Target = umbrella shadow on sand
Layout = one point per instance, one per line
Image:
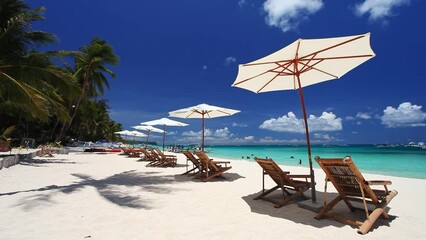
(127, 189)
(299, 215)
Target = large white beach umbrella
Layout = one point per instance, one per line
(148, 129)
(203, 111)
(164, 122)
(305, 62)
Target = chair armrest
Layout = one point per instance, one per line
(219, 162)
(377, 182)
(298, 176)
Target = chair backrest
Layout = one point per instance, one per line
(160, 153)
(205, 160)
(274, 171)
(147, 154)
(191, 157)
(346, 177)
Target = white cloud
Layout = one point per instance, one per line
(290, 123)
(365, 116)
(320, 137)
(211, 136)
(270, 140)
(191, 134)
(379, 9)
(239, 125)
(171, 133)
(204, 67)
(359, 115)
(287, 14)
(230, 60)
(222, 133)
(406, 115)
(241, 3)
(249, 138)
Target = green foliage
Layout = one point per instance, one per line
(41, 97)
(6, 133)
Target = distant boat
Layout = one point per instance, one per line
(107, 150)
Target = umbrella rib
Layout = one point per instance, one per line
(224, 112)
(341, 57)
(334, 46)
(268, 82)
(260, 74)
(319, 70)
(278, 74)
(263, 63)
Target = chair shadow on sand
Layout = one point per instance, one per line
(127, 189)
(229, 177)
(297, 214)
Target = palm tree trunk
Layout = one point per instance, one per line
(66, 126)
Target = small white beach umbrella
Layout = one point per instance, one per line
(134, 134)
(305, 62)
(203, 111)
(148, 129)
(164, 122)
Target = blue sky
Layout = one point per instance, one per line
(176, 54)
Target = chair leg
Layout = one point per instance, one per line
(291, 197)
(211, 175)
(327, 208)
(266, 193)
(189, 171)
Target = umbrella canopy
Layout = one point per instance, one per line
(134, 134)
(164, 122)
(203, 111)
(303, 63)
(148, 129)
(131, 133)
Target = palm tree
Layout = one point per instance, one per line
(90, 70)
(29, 81)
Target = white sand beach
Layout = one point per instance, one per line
(108, 196)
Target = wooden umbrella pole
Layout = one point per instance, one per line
(164, 135)
(308, 142)
(202, 126)
(147, 138)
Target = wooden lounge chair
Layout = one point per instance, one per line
(195, 162)
(352, 187)
(165, 160)
(212, 168)
(135, 153)
(154, 158)
(148, 155)
(284, 180)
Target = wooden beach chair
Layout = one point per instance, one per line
(195, 162)
(212, 168)
(153, 158)
(165, 160)
(352, 187)
(291, 188)
(135, 153)
(148, 156)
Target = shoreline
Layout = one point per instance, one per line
(108, 196)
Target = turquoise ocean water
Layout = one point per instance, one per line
(394, 161)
